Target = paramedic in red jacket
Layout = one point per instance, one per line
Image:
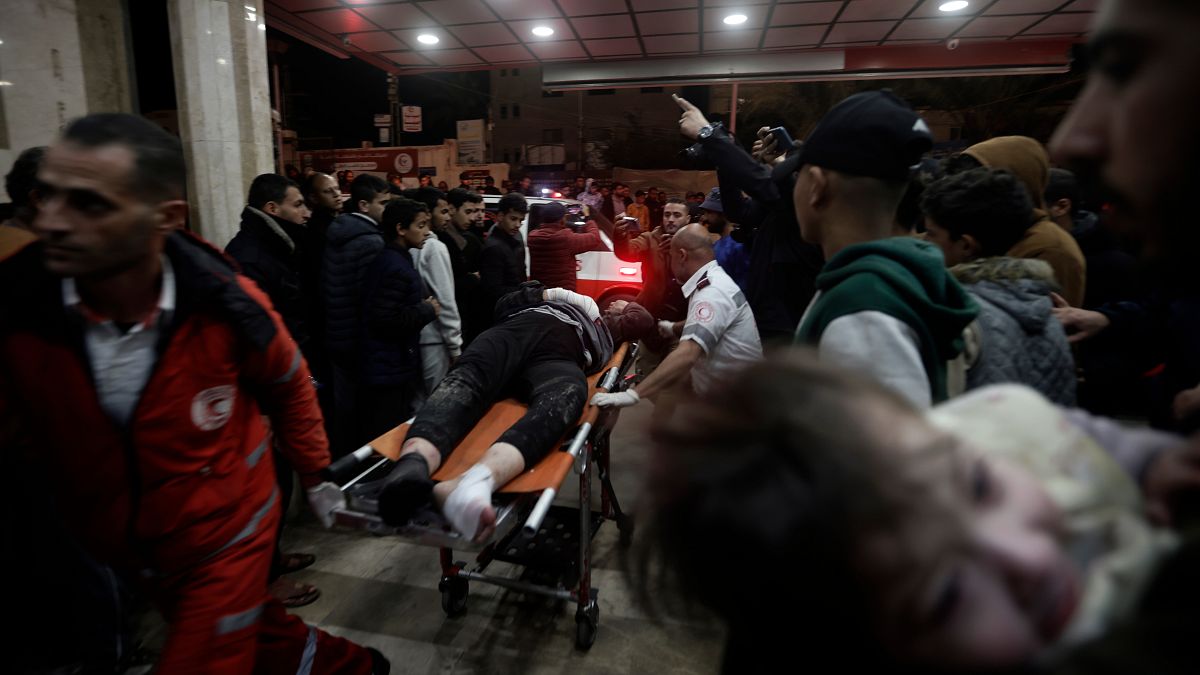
(137, 366)
(553, 245)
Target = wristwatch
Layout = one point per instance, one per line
(706, 131)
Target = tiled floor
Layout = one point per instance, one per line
(383, 593)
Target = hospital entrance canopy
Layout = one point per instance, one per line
(583, 44)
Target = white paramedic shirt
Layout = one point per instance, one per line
(122, 360)
(720, 321)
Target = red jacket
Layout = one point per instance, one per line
(552, 249)
(192, 473)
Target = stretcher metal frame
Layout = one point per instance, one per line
(522, 513)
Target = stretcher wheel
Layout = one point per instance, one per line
(587, 622)
(454, 595)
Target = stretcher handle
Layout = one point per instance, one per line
(348, 467)
(534, 522)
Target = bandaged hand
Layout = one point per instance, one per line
(323, 500)
(666, 329)
(583, 302)
(620, 399)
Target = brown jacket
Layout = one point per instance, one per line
(1026, 159)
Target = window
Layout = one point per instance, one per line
(516, 72)
(516, 110)
(551, 94)
(503, 72)
(506, 157)
(652, 90)
(503, 112)
(552, 135)
(601, 92)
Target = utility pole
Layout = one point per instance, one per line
(393, 92)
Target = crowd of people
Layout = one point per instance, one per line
(891, 377)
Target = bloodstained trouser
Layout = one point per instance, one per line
(533, 356)
(221, 619)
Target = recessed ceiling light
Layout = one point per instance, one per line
(543, 31)
(427, 39)
(953, 5)
(735, 19)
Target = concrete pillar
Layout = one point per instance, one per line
(220, 62)
(60, 59)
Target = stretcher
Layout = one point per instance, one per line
(553, 543)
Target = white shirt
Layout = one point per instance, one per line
(720, 321)
(123, 360)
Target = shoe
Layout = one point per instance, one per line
(292, 594)
(293, 562)
(406, 489)
(379, 663)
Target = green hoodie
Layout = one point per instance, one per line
(904, 278)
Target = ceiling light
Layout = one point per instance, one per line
(427, 39)
(5, 83)
(735, 19)
(953, 5)
(543, 31)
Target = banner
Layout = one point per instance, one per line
(471, 148)
(380, 161)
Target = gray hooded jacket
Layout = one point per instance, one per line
(1016, 337)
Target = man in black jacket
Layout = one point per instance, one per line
(502, 264)
(783, 268)
(465, 248)
(352, 242)
(270, 250)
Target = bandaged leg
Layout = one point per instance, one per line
(466, 501)
(464, 506)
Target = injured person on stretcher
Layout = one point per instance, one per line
(542, 347)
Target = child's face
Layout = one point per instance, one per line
(997, 594)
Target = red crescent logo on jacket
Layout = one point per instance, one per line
(212, 408)
(704, 312)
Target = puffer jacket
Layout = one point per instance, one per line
(1018, 339)
(352, 243)
(394, 312)
(552, 250)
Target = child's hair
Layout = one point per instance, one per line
(401, 212)
(762, 493)
(991, 205)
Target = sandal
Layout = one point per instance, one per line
(294, 562)
(292, 594)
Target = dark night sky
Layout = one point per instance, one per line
(331, 97)
(330, 102)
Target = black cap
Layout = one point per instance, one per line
(875, 134)
(553, 212)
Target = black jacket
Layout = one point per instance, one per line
(783, 267)
(351, 244)
(394, 312)
(467, 291)
(270, 252)
(501, 266)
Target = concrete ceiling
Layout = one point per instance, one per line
(600, 42)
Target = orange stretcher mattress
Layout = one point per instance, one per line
(548, 473)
